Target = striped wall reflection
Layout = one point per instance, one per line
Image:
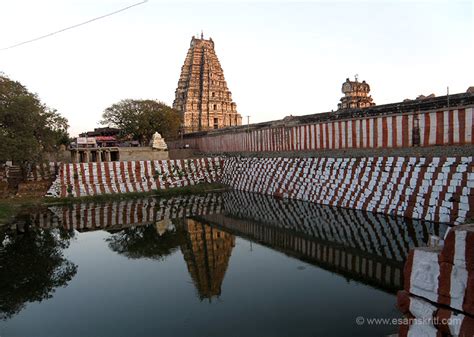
(127, 213)
(376, 234)
(352, 263)
(444, 127)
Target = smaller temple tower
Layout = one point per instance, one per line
(356, 95)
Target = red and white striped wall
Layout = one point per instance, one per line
(424, 318)
(444, 275)
(127, 213)
(436, 189)
(85, 179)
(444, 127)
(442, 279)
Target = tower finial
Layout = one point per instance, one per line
(202, 35)
(356, 77)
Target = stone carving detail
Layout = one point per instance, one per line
(158, 143)
(356, 95)
(202, 96)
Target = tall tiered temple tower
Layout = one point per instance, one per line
(202, 96)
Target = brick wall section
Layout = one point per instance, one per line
(40, 172)
(85, 179)
(442, 279)
(435, 189)
(443, 127)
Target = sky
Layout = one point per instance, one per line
(279, 58)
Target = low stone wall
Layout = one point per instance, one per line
(436, 189)
(39, 172)
(141, 153)
(439, 287)
(85, 179)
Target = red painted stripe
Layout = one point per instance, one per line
(394, 132)
(366, 136)
(83, 177)
(439, 127)
(384, 132)
(376, 133)
(340, 134)
(405, 131)
(326, 127)
(354, 133)
(451, 127)
(462, 126)
(122, 173)
(91, 178)
(426, 135)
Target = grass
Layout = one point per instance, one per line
(10, 207)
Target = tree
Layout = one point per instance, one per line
(28, 128)
(142, 118)
(32, 267)
(145, 242)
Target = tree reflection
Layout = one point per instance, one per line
(154, 241)
(32, 266)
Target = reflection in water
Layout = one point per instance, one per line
(151, 241)
(377, 234)
(128, 213)
(207, 252)
(32, 266)
(369, 248)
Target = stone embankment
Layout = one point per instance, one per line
(435, 189)
(432, 189)
(438, 295)
(89, 179)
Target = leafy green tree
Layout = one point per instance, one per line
(142, 118)
(28, 128)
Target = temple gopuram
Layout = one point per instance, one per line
(202, 96)
(356, 95)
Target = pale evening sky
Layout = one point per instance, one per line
(279, 58)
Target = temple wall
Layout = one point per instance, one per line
(435, 189)
(141, 153)
(86, 179)
(432, 189)
(443, 127)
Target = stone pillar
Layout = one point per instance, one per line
(99, 156)
(107, 156)
(86, 156)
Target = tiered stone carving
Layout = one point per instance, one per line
(202, 95)
(356, 95)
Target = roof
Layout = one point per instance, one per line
(105, 138)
